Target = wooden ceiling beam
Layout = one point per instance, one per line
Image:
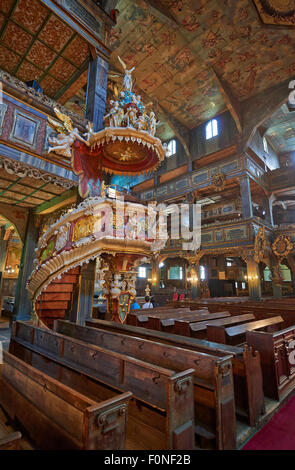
(231, 103)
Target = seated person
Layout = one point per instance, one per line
(148, 303)
(154, 302)
(135, 305)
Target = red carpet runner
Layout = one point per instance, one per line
(278, 433)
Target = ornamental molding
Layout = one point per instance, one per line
(22, 170)
(219, 181)
(260, 245)
(29, 92)
(66, 260)
(282, 247)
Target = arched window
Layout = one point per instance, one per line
(211, 129)
(171, 148)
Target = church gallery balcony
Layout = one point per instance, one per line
(25, 130)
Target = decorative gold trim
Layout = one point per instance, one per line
(259, 245)
(282, 246)
(219, 181)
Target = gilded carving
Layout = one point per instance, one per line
(282, 246)
(83, 228)
(219, 181)
(260, 244)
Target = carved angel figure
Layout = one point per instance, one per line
(115, 115)
(153, 123)
(128, 83)
(67, 134)
(131, 117)
(90, 131)
(141, 122)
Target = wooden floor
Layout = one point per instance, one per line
(7, 427)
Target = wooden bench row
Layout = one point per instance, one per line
(261, 310)
(57, 416)
(246, 367)
(247, 374)
(277, 352)
(213, 381)
(161, 412)
(237, 334)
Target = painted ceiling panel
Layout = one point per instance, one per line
(281, 129)
(176, 45)
(36, 45)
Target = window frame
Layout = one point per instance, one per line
(211, 129)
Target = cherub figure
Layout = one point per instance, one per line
(115, 115)
(128, 83)
(141, 122)
(153, 123)
(62, 143)
(90, 130)
(131, 117)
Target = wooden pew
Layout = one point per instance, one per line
(161, 416)
(166, 322)
(237, 334)
(139, 316)
(212, 418)
(200, 329)
(56, 416)
(275, 350)
(182, 326)
(249, 397)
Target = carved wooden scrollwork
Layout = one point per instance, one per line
(282, 246)
(260, 244)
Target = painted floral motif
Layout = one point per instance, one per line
(50, 85)
(28, 72)
(225, 35)
(62, 70)
(77, 51)
(16, 38)
(8, 60)
(41, 55)
(30, 14)
(55, 33)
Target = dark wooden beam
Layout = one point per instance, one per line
(232, 104)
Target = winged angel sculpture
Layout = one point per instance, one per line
(66, 135)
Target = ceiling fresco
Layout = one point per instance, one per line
(36, 45)
(176, 54)
(281, 130)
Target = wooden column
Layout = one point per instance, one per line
(155, 273)
(83, 296)
(253, 274)
(196, 281)
(22, 305)
(97, 92)
(246, 198)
